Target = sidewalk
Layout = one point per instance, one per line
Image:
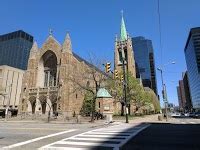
(147, 118)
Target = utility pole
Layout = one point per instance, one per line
(164, 93)
(125, 79)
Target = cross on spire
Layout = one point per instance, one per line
(50, 31)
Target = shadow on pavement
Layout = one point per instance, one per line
(165, 136)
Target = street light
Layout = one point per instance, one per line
(164, 91)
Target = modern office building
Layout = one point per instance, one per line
(188, 105)
(183, 93)
(15, 48)
(182, 98)
(192, 55)
(179, 97)
(144, 58)
(10, 88)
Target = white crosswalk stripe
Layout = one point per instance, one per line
(112, 137)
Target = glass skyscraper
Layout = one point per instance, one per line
(144, 58)
(192, 55)
(15, 48)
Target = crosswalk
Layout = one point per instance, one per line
(107, 138)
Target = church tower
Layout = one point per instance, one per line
(123, 46)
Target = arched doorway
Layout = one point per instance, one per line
(43, 101)
(53, 99)
(47, 70)
(32, 101)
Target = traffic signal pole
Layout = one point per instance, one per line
(124, 81)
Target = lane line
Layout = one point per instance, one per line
(37, 139)
(33, 129)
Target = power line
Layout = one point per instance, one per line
(160, 34)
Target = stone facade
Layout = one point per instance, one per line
(129, 56)
(46, 84)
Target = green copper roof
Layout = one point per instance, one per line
(123, 30)
(103, 93)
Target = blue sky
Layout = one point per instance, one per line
(93, 25)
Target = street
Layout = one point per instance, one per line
(177, 134)
(182, 135)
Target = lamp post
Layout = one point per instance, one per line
(164, 91)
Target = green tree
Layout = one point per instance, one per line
(135, 92)
(87, 104)
(137, 95)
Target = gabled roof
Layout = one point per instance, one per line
(87, 63)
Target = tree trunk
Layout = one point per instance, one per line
(122, 109)
(93, 109)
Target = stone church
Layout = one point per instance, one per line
(46, 84)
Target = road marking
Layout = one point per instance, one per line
(37, 139)
(33, 129)
(99, 137)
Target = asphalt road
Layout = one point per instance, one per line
(34, 135)
(181, 135)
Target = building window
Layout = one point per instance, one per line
(120, 56)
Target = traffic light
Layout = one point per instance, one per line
(116, 74)
(107, 67)
(122, 77)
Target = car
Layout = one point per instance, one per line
(186, 114)
(191, 114)
(176, 115)
(197, 115)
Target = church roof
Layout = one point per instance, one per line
(87, 63)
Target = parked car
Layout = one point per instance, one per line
(192, 114)
(176, 115)
(197, 115)
(186, 114)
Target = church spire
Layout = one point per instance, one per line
(123, 34)
(67, 45)
(33, 50)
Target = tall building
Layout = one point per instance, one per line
(15, 48)
(188, 105)
(10, 87)
(192, 55)
(183, 93)
(126, 43)
(182, 103)
(144, 58)
(179, 97)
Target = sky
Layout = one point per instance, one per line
(93, 25)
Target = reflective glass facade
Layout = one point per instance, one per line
(15, 48)
(144, 57)
(192, 55)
